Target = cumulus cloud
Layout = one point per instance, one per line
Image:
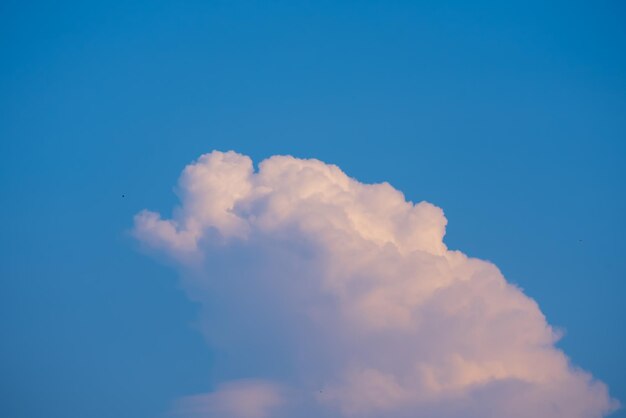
(340, 299)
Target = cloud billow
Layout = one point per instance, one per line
(325, 297)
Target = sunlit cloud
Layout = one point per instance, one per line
(340, 299)
(240, 399)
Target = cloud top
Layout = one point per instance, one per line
(345, 296)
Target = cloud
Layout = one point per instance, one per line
(345, 296)
(240, 399)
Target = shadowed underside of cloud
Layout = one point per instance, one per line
(326, 297)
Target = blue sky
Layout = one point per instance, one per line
(511, 117)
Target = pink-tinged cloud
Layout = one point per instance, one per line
(239, 399)
(346, 295)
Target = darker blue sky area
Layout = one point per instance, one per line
(511, 116)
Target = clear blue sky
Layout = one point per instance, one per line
(511, 116)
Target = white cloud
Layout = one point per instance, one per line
(346, 294)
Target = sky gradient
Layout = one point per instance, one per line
(511, 118)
